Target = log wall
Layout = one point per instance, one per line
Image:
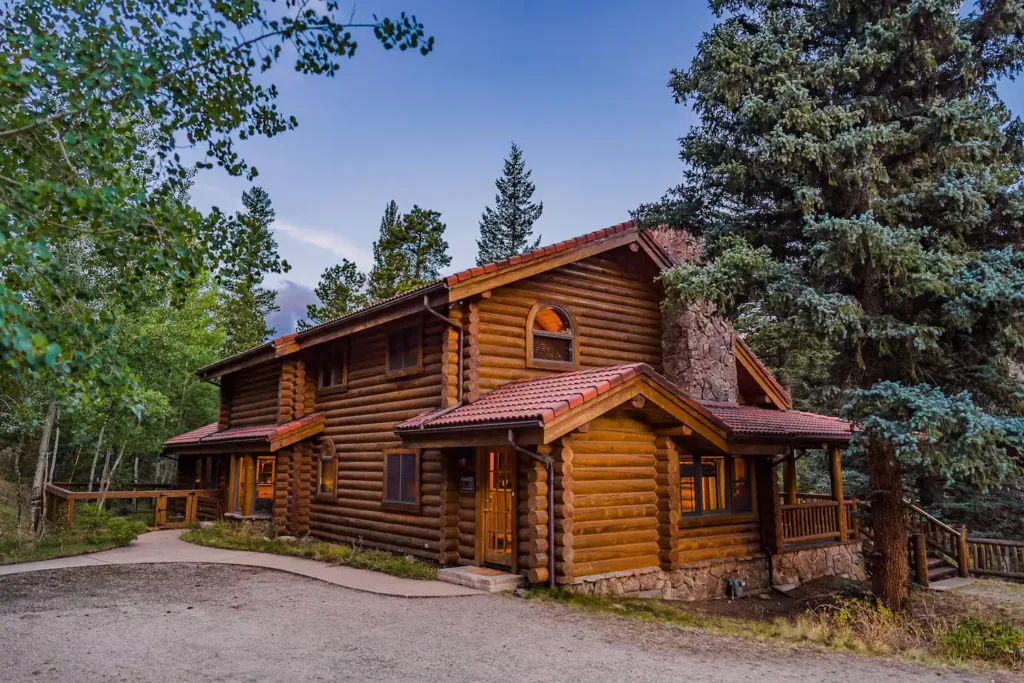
(255, 397)
(612, 514)
(361, 421)
(615, 306)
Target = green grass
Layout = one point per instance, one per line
(253, 537)
(93, 530)
(859, 626)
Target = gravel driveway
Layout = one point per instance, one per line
(223, 623)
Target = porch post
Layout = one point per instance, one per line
(836, 471)
(789, 477)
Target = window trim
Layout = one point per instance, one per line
(412, 370)
(398, 504)
(730, 483)
(544, 364)
(326, 356)
(328, 457)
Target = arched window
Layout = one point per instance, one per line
(551, 338)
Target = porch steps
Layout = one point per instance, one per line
(481, 578)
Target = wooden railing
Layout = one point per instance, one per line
(994, 557)
(185, 500)
(938, 535)
(815, 517)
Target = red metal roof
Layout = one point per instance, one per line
(259, 433)
(747, 421)
(489, 268)
(539, 400)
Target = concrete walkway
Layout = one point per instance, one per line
(163, 547)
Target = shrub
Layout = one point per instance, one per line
(990, 641)
(101, 526)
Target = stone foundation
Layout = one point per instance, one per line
(706, 580)
(846, 559)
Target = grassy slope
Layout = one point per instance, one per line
(966, 636)
(252, 537)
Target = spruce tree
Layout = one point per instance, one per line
(505, 230)
(341, 291)
(250, 255)
(409, 252)
(857, 180)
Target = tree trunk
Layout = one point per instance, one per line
(105, 475)
(889, 525)
(17, 487)
(38, 493)
(108, 472)
(95, 457)
(53, 461)
(135, 470)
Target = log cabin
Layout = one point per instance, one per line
(546, 416)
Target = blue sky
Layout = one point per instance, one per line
(580, 86)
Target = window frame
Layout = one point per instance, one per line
(404, 506)
(413, 369)
(327, 357)
(730, 484)
(574, 337)
(328, 457)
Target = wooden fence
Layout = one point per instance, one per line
(172, 502)
(995, 557)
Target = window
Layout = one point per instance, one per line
(401, 478)
(710, 484)
(333, 369)
(551, 342)
(328, 477)
(404, 351)
(327, 474)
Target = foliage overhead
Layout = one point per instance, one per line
(251, 253)
(341, 291)
(96, 97)
(505, 230)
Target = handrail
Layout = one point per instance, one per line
(937, 522)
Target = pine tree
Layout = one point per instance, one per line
(387, 263)
(251, 254)
(341, 291)
(505, 230)
(409, 252)
(858, 183)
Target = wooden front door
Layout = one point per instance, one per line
(498, 506)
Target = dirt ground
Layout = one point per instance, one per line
(221, 623)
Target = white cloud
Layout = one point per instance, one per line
(327, 240)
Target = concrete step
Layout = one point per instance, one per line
(941, 573)
(481, 578)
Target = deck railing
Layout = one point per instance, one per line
(815, 518)
(172, 508)
(995, 557)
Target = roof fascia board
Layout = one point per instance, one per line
(503, 276)
(767, 384)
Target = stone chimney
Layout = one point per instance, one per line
(697, 344)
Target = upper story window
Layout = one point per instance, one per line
(333, 368)
(551, 338)
(711, 484)
(405, 352)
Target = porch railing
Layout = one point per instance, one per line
(815, 518)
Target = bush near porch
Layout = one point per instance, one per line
(261, 538)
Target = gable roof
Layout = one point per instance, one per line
(265, 437)
(558, 403)
(452, 288)
(547, 403)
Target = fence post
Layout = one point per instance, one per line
(837, 492)
(69, 512)
(921, 559)
(963, 554)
